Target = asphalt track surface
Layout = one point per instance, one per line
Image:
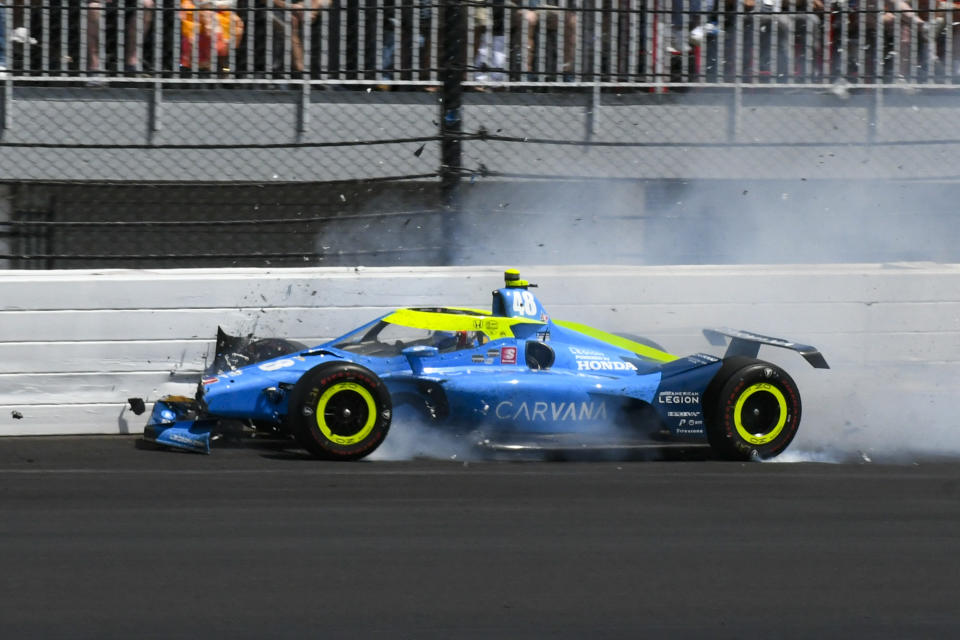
(101, 539)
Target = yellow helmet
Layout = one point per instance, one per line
(512, 279)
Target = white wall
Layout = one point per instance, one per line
(74, 345)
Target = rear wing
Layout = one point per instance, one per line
(744, 343)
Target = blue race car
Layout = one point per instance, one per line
(513, 374)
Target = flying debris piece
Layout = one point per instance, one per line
(137, 405)
(840, 89)
(419, 150)
(16, 415)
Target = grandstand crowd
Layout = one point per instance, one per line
(392, 42)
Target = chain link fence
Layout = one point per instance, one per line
(139, 133)
(163, 226)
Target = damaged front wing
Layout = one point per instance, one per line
(179, 422)
(176, 422)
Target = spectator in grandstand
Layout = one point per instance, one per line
(424, 41)
(97, 11)
(767, 19)
(808, 37)
(794, 25)
(687, 34)
(388, 24)
(730, 21)
(892, 42)
(489, 53)
(943, 24)
(212, 25)
(531, 16)
(25, 33)
(389, 39)
(899, 19)
(932, 33)
(302, 13)
(683, 15)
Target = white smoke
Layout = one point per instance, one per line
(890, 414)
(410, 439)
(866, 409)
(871, 408)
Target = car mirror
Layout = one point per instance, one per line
(415, 356)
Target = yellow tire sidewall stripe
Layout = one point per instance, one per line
(738, 413)
(333, 390)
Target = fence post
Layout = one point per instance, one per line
(6, 230)
(453, 35)
(874, 110)
(452, 67)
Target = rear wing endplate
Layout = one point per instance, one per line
(744, 343)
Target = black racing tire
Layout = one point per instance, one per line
(339, 411)
(752, 409)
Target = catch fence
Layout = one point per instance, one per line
(196, 133)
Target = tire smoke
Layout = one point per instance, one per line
(863, 270)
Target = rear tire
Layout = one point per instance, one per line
(340, 411)
(752, 409)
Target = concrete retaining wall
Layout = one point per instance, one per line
(75, 345)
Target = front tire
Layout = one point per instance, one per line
(340, 411)
(752, 408)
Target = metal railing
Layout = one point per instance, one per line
(387, 42)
